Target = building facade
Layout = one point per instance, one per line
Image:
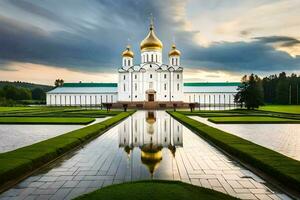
(149, 81)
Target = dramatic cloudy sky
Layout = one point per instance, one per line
(82, 39)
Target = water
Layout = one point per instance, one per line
(283, 138)
(145, 146)
(15, 136)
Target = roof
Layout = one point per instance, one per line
(83, 88)
(90, 85)
(111, 88)
(206, 84)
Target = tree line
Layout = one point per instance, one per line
(12, 95)
(281, 89)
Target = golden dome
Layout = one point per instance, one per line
(128, 52)
(174, 51)
(151, 42)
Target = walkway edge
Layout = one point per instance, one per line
(282, 168)
(14, 164)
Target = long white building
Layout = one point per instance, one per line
(149, 81)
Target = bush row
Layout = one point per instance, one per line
(280, 167)
(17, 163)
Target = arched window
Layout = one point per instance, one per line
(135, 86)
(151, 57)
(124, 87)
(156, 60)
(177, 76)
(147, 60)
(177, 86)
(165, 86)
(128, 61)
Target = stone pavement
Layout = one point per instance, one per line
(104, 162)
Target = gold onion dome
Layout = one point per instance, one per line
(151, 42)
(174, 51)
(128, 52)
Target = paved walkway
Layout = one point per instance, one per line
(105, 161)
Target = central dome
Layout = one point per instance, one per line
(151, 42)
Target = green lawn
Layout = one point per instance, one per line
(282, 168)
(293, 109)
(45, 120)
(4, 109)
(252, 120)
(155, 190)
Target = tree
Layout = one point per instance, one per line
(282, 89)
(58, 82)
(38, 94)
(250, 92)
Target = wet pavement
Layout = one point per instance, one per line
(147, 145)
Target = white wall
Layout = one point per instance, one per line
(210, 98)
(80, 99)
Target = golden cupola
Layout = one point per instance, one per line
(151, 42)
(128, 52)
(174, 51)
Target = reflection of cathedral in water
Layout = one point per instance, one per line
(150, 131)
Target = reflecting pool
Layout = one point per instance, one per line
(283, 138)
(16, 136)
(147, 145)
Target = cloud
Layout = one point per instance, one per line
(89, 36)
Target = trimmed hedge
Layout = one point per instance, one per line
(17, 163)
(282, 168)
(155, 190)
(45, 120)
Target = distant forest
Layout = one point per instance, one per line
(281, 89)
(20, 93)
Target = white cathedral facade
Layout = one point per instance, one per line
(149, 81)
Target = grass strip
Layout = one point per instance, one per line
(280, 167)
(15, 164)
(155, 190)
(45, 120)
(252, 120)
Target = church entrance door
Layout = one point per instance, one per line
(150, 97)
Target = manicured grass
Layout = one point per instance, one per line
(17, 163)
(155, 190)
(293, 109)
(45, 120)
(252, 120)
(276, 165)
(5, 109)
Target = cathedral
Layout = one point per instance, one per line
(144, 83)
(151, 80)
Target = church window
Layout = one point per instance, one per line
(124, 87)
(135, 76)
(177, 76)
(165, 86)
(147, 58)
(124, 77)
(135, 96)
(150, 75)
(172, 61)
(165, 76)
(165, 96)
(177, 86)
(156, 58)
(151, 57)
(128, 62)
(135, 86)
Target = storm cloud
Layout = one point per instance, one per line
(90, 35)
